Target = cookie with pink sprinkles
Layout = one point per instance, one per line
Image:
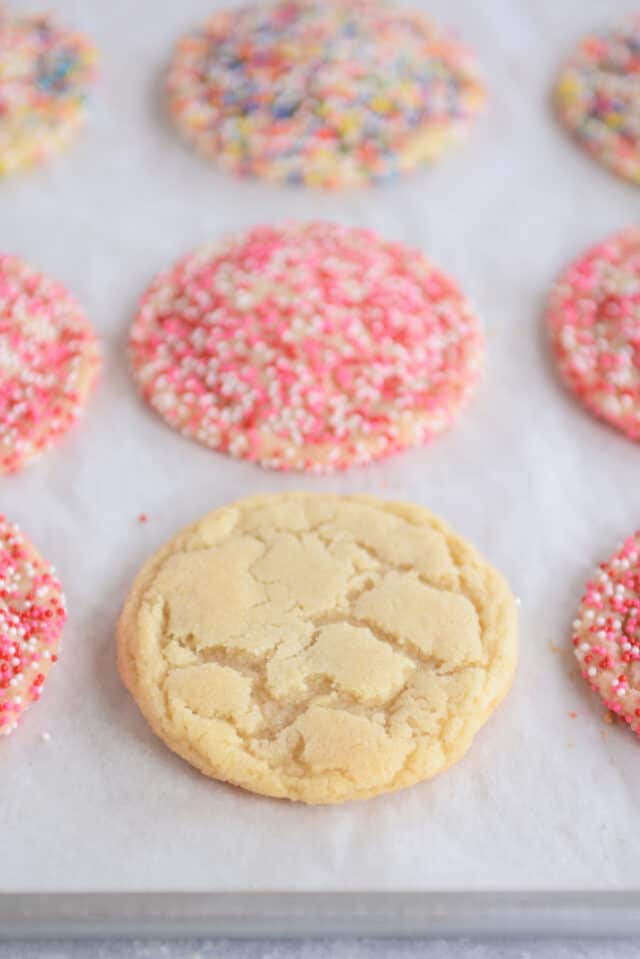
(32, 617)
(307, 347)
(594, 319)
(606, 632)
(49, 360)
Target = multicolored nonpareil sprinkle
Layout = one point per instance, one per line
(32, 616)
(598, 97)
(594, 318)
(606, 632)
(331, 94)
(307, 347)
(46, 73)
(49, 360)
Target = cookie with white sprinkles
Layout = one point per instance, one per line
(49, 360)
(46, 74)
(32, 616)
(606, 632)
(331, 94)
(594, 319)
(308, 347)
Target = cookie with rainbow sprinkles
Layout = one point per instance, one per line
(307, 346)
(331, 94)
(597, 97)
(46, 74)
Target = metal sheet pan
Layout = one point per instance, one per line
(105, 832)
(269, 915)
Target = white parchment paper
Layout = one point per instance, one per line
(542, 800)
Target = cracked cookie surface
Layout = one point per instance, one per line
(318, 647)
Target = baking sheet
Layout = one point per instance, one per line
(542, 801)
(252, 915)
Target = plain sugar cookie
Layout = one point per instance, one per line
(49, 361)
(307, 346)
(46, 73)
(331, 94)
(606, 632)
(594, 319)
(598, 97)
(317, 647)
(32, 616)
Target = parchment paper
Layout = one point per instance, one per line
(542, 800)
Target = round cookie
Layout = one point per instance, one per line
(32, 616)
(49, 359)
(606, 632)
(46, 72)
(597, 97)
(331, 94)
(594, 319)
(309, 347)
(317, 647)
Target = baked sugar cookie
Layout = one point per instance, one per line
(594, 317)
(606, 633)
(598, 97)
(332, 94)
(32, 615)
(317, 647)
(49, 359)
(46, 72)
(308, 347)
